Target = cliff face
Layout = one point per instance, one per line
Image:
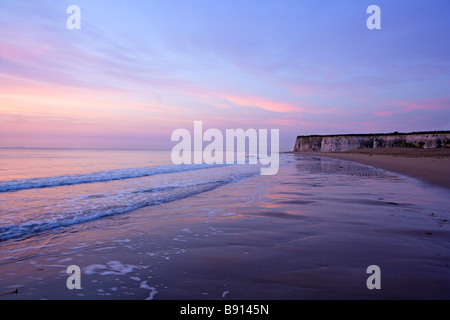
(343, 143)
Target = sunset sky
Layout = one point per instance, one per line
(137, 70)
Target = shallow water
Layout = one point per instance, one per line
(71, 195)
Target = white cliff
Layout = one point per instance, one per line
(343, 143)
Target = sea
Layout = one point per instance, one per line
(43, 189)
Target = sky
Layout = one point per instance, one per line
(138, 70)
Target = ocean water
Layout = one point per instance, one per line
(43, 189)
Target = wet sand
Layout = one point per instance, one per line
(429, 165)
(309, 232)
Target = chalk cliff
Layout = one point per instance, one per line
(343, 143)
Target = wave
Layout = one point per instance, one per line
(102, 176)
(114, 204)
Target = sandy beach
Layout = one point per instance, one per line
(429, 165)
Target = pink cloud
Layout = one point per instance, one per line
(436, 103)
(385, 113)
(264, 103)
(260, 102)
(408, 106)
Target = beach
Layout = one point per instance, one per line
(429, 165)
(309, 232)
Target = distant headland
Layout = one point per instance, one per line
(349, 142)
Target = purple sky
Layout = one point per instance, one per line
(137, 70)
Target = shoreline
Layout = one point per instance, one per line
(429, 165)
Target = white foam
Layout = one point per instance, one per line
(111, 268)
(67, 211)
(119, 174)
(229, 214)
(153, 290)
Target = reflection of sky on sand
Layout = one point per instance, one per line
(307, 232)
